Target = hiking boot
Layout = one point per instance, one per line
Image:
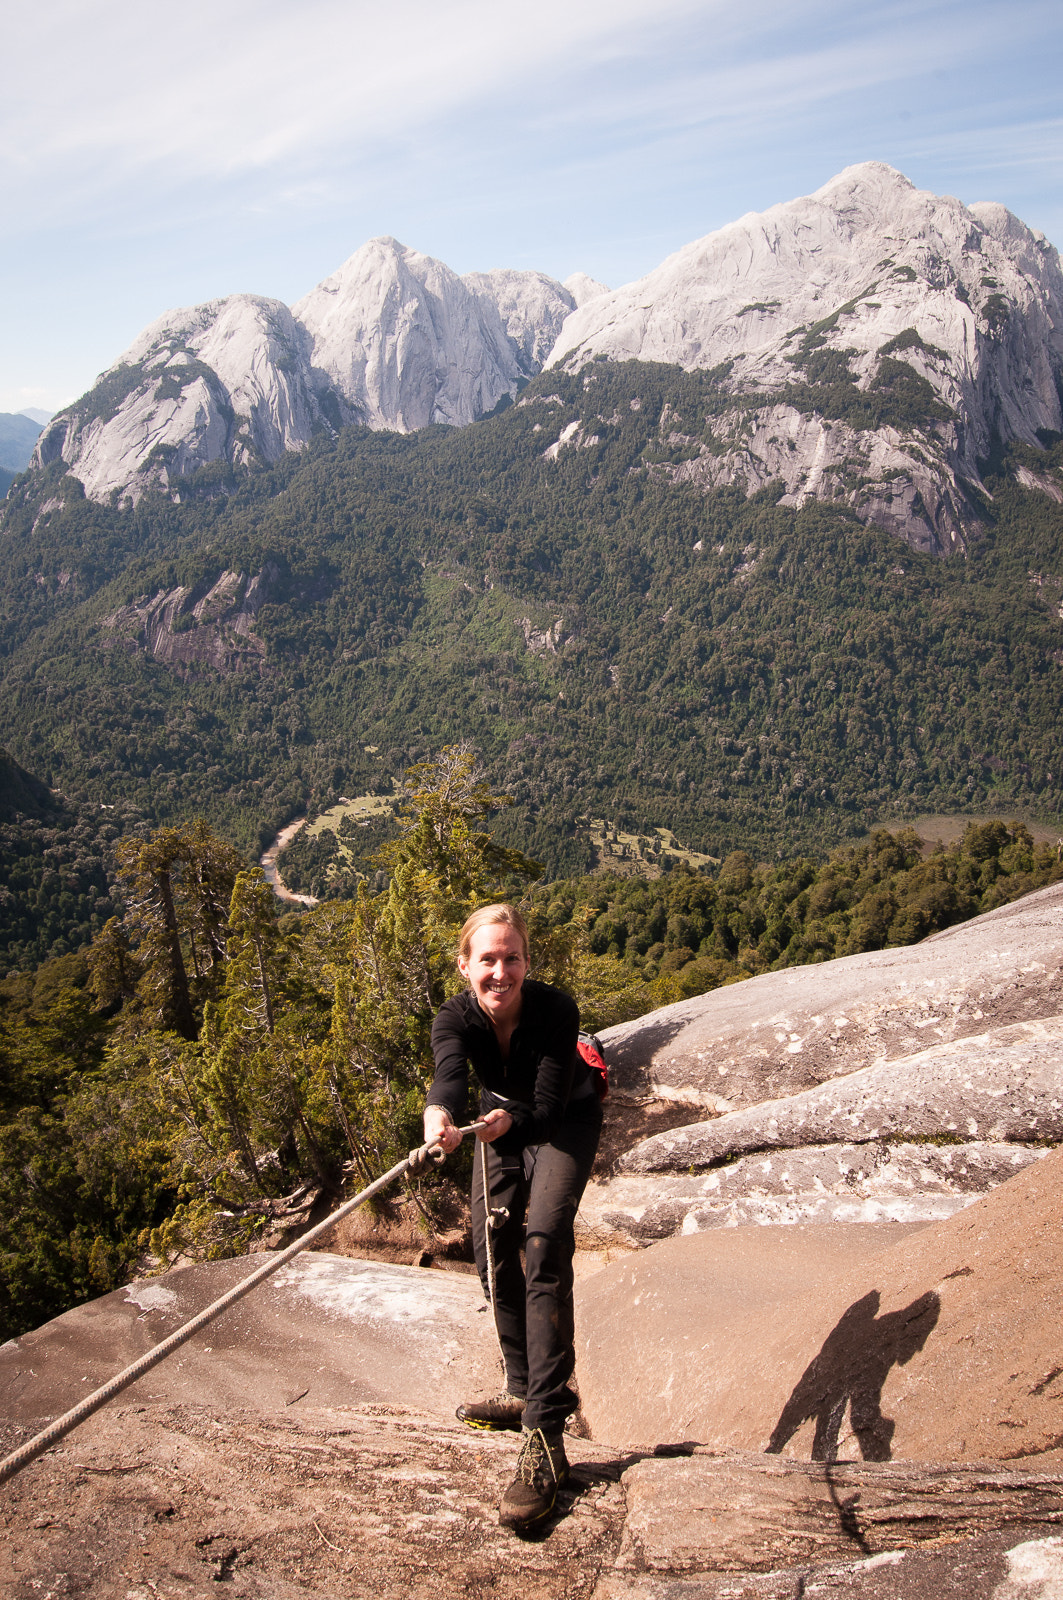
(502, 1410)
(542, 1469)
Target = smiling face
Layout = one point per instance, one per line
(494, 969)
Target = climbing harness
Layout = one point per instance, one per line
(416, 1161)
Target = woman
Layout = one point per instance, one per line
(543, 1120)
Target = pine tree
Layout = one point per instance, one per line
(114, 970)
(147, 872)
(255, 957)
(177, 886)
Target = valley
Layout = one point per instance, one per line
(337, 846)
(759, 549)
(745, 673)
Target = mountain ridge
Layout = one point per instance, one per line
(876, 344)
(18, 438)
(963, 316)
(393, 339)
(614, 640)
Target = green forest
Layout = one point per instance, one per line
(211, 1064)
(614, 642)
(697, 931)
(173, 1087)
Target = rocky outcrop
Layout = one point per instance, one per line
(886, 477)
(1005, 1085)
(392, 1501)
(937, 1343)
(210, 623)
(297, 1503)
(258, 1462)
(532, 308)
(309, 1444)
(218, 384)
(304, 1444)
(860, 261)
(945, 318)
(393, 339)
(405, 342)
(699, 1528)
(919, 1133)
(352, 1333)
(582, 288)
(851, 1183)
(787, 1031)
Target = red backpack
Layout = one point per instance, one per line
(591, 1049)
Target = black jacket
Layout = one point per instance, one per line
(537, 1081)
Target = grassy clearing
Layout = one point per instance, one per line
(949, 828)
(639, 854)
(359, 809)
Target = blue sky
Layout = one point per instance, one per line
(158, 156)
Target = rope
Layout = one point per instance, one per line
(80, 1413)
(491, 1221)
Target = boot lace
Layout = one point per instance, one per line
(536, 1459)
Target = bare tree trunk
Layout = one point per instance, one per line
(180, 998)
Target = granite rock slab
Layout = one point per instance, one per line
(325, 1330)
(936, 1341)
(1005, 1085)
(755, 1513)
(788, 1031)
(748, 1528)
(819, 1183)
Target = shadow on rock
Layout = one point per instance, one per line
(851, 1370)
(584, 1478)
(631, 1053)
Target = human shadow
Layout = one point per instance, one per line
(851, 1369)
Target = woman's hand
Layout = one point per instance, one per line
(439, 1129)
(497, 1123)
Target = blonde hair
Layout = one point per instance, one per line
(508, 915)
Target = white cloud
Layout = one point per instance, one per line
(110, 92)
(123, 112)
(781, 66)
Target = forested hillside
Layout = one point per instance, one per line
(700, 931)
(615, 642)
(56, 868)
(205, 1072)
(208, 1070)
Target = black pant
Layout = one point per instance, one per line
(533, 1311)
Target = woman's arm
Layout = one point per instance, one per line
(449, 1093)
(450, 1050)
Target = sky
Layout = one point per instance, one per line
(157, 156)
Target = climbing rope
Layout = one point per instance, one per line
(494, 1217)
(416, 1161)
